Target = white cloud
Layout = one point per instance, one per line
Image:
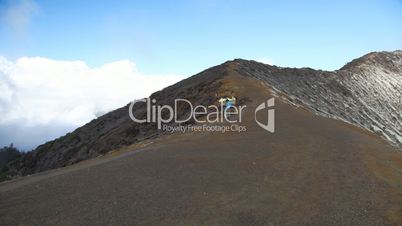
(264, 60)
(17, 15)
(37, 92)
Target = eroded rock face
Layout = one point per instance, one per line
(366, 92)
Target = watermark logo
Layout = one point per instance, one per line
(163, 114)
(269, 104)
(227, 116)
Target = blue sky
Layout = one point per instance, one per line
(63, 63)
(185, 37)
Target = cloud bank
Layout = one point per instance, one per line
(41, 99)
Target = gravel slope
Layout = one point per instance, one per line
(311, 171)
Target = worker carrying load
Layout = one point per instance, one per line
(227, 102)
(230, 102)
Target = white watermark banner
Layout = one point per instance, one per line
(227, 112)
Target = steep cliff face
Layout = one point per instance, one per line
(366, 92)
(375, 81)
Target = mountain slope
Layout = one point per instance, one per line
(366, 92)
(312, 171)
(114, 129)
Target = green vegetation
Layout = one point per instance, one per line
(7, 154)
